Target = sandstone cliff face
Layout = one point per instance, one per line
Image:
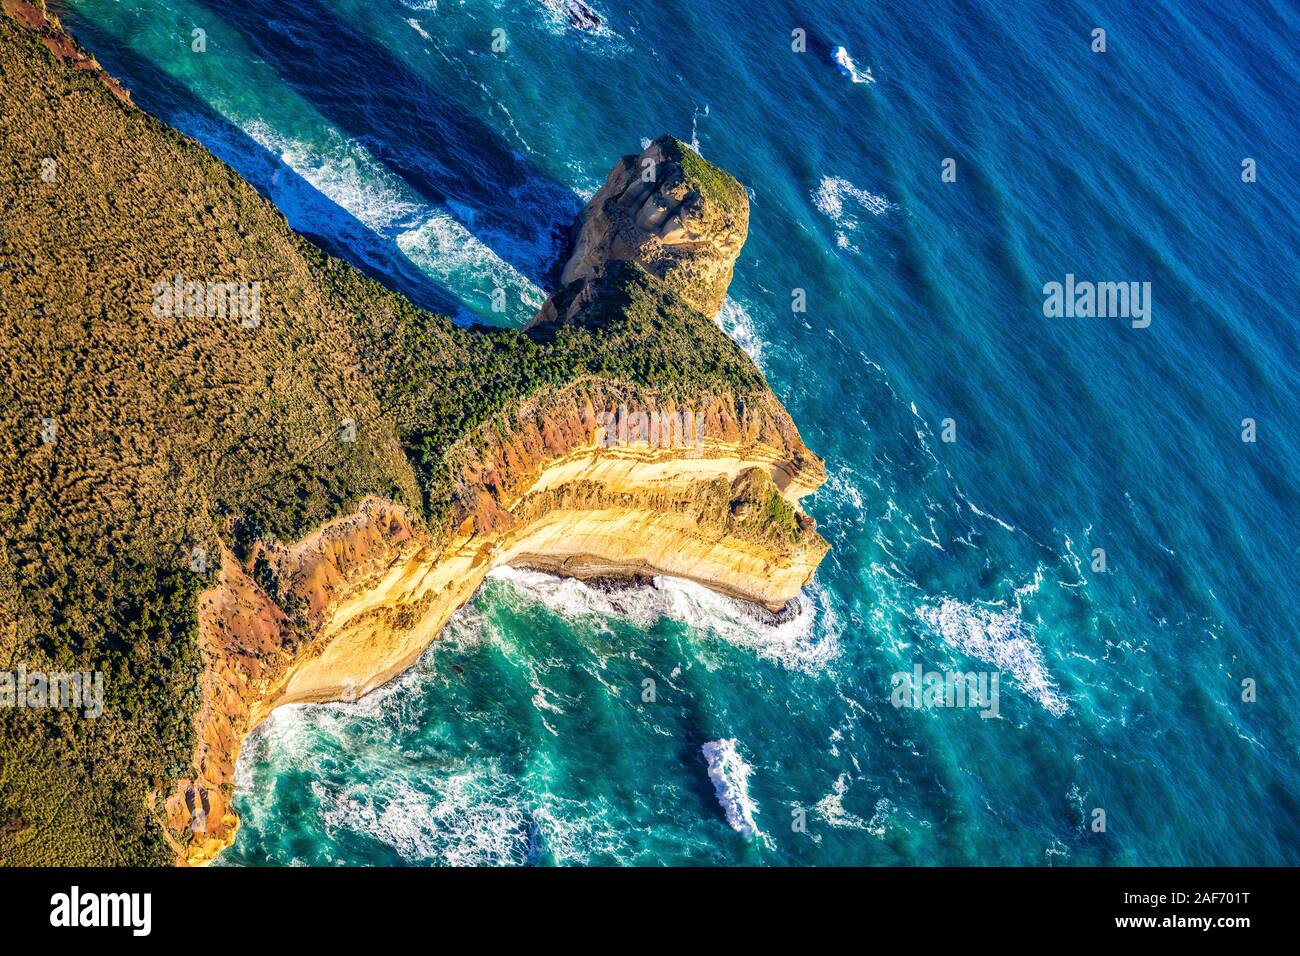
(550, 490)
(558, 482)
(669, 213)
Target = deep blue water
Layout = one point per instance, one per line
(394, 135)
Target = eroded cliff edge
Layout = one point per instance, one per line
(375, 587)
(237, 516)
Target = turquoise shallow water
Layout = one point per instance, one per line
(391, 133)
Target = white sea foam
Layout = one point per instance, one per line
(832, 191)
(831, 809)
(805, 641)
(345, 172)
(414, 24)
(575, 832)
(843, 488)
(730, 775)
(473, 816)
(999, 638)
(694, 144)
(445, 250)
(985, 514)
(1075, 563)
(843, 202)
(465, 629)
(434, 239)
(576, 15)
(473, 813)
(850, 69)
(736, 321)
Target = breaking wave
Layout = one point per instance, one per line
(736, 321)
(843, 203)
(792, 640)
(730, 775)
(849, 68)
(565, 15)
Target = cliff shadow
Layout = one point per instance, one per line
(162, 96)
(442, 151)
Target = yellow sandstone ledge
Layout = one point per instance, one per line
(375, 589)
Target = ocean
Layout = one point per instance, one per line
(1066, 501)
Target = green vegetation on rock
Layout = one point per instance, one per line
(714, 184)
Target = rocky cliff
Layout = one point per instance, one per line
(669, 212)
(551, 492)
(237, 516)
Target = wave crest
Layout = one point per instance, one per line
(794, 641)
(849, 68)
(730, 775)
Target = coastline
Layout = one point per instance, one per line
(381, 588)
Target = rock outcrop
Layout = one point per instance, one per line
(669, 212)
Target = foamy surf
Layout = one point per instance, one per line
(576, 15)
(694, 144)
(830, 808)
(793, 641)
(735, 320)
(445, 250)
(432, 239)
(345, 172)
(999, 638)
(843, 202)
(849, 68)
(474, 816)
(730, 775)
(832, 191)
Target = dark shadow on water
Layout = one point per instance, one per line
(421, 134)
(159, 94)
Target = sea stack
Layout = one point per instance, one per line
(678, 217)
